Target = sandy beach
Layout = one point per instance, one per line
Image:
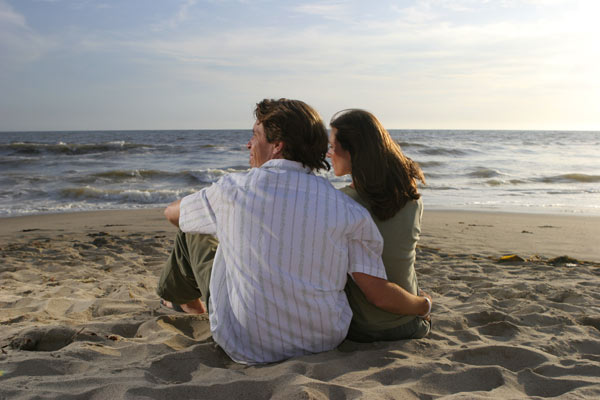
(516, 315)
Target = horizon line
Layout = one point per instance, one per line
(250, 129)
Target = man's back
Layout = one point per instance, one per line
(288, 239)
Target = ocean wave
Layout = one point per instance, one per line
(120, 176)
(218, 147)
(438, 151)
(15, 162)
(128, 174)
(337, 181)
(430, 187)
(189, 177)
(572, 191)
(70, 148)
(238, 168)
(237, 148)
(428, 164)
(484, 173)
(500, 182)
(410, 144)
(567, 178)
(147, 196)
(54, 208)
(437, 175)
(495, 182)
(208, 175)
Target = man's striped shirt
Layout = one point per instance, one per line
(287, 240)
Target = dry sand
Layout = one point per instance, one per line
(79, 317)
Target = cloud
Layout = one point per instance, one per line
(9, 17)
(325, 9)
(403, 45)
(181, 15)
(19, 44)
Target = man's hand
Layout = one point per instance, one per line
(172, 212)
(389, 296)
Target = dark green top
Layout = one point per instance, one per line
(400, 235)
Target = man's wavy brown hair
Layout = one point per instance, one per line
(381, 173)
(299, 127)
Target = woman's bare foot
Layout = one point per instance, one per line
(193, 307)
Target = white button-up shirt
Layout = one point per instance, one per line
(287, 242)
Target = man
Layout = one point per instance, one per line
(286, 242)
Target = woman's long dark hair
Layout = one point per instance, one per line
(382, 175)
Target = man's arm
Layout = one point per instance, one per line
(172, 212)
(390, 297)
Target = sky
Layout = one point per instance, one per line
(204, 64)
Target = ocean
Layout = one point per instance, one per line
(553, 172)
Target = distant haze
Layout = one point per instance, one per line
(194, 64)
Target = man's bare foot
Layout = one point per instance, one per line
(193, 307)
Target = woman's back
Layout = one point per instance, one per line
(400, 235)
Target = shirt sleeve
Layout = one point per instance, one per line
(365, 248)
(197, 211)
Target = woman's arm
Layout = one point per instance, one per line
(390, 297)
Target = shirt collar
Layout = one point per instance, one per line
(281, 163)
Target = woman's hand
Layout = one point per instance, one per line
(427, 315)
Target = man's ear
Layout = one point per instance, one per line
(278, 150)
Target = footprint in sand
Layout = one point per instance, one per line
(50, 338)
(502, 330)
(512, 358)
(482, 379)
(541, 386)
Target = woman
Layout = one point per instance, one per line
(384, 182)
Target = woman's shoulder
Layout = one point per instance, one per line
(353, 194)
(411, 208)
(350, 191)
(412, 211)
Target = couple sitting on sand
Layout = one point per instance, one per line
(285, 263)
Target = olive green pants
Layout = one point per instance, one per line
(186, 275)
(416, 328)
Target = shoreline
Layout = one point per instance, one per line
(489, 233)
(525, 211)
